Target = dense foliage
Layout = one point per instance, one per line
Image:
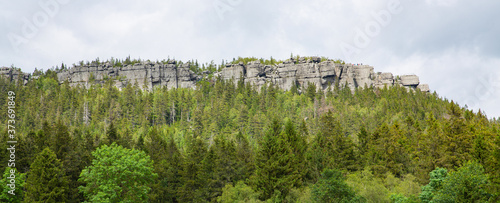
(227, 141)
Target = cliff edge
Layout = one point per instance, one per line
(294, 71)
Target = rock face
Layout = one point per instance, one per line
(14, 75)
(410, 80)
(146, 75)
(321, 74)
(302, 72)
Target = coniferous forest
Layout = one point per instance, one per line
(227, 141)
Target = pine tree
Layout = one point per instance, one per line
(331, 148)
(172, 176)
(275, 174)
(192, 184)
(298, 145)
(331, 187)
(28, 149)
(74, 162)
(245, 158)
(46, 180)
(155, 147)
(311, 91)
(60, 140)
(226, 161)
(111, 134)
(363, 139)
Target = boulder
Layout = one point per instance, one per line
(409, 80)
(424, 87)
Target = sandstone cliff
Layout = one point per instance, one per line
(14, 75)
(301, 71)
(322, 74)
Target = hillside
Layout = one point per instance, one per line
(249, 130)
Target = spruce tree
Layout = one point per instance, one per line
(172, 174)
(331, 148)
(46, 180)
(298, 146)
(191, 167)
(245, 158)
(111, 134)
(60, 140)
(275, 174)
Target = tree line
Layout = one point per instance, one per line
(227, 141)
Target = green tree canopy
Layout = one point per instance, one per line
(435, 183)
(467, 184)
(117, 174)
(331, 187)
(6, 186)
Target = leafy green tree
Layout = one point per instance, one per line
(132, 174)
(240, 192)
(46, 180)
(467, 184)
(400, 198)
(8, 193)
(366, 184)
(437, 177)
(331, 187)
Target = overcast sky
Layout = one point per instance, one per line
(453, 45)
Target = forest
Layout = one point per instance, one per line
(227, 141)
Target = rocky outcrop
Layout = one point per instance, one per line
(303, 72)
(14, 75)
(409, 80)
(145, 75)
(294, 71)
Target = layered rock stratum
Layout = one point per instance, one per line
(302, 71)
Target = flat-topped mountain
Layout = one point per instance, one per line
(294, 71)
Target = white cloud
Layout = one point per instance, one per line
(441, 2)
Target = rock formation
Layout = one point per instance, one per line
(146, 75)
(302, 71)
(313, 71)
(14, 75)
